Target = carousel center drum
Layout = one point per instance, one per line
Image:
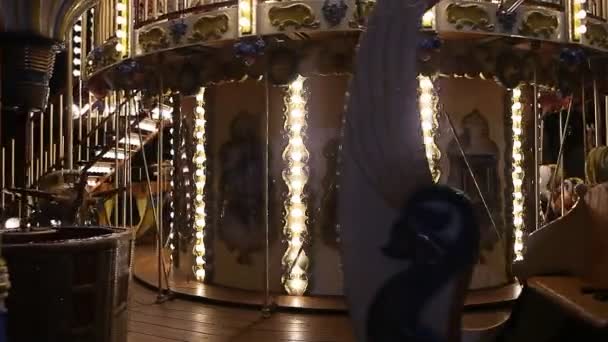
(69, 284)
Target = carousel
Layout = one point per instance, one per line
(216, 130)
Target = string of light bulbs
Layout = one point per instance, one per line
(199, 160)
(295, 175)
(517, 173)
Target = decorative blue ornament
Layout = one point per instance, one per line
(506, 20)
(572, 57)
(431, 43)
(333, 12)
(128, 66)
(177, 30)
(248, 50)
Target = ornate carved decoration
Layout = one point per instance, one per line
(597, 35)
(103, 55)
(539, 24)
(474, 16)
(153, 39)
(296, 15)
(210, 27)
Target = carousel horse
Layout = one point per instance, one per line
(438, 234)
(383, 163)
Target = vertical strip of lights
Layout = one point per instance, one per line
(77, 48)
(172, 196)
(295, 175)
(200, 159)
(579, 13)
(427, 101)
(247, 17)
(518, 172)
(122, 24)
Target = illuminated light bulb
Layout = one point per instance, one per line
(77, 28)
(517, 182)
(199, 260)
(200, 274)
(516, 93)
(199, 235)
(199, 198)
(200, 147)
(199, 135)
(426, 84)
(582, 14)
(517, 144)
(582, 29)
(76, 61)
(516, 106)
(200, 110)
(296, 156)
(76, 73)
(297, 113)
(200, 122)
(121, 20)
(119, 47)
(518, 196)
(77, 51)
(121, 6)
(77, 39)
(200, 159)
(121, 34)
(296, 199)
(245, 23)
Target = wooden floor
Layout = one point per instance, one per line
(180, 320)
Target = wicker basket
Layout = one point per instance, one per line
(68, 284)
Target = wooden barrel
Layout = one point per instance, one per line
(68, 284)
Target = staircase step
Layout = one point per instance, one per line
(148, 125)
(132, 140)
(116, 154)
(102, 168)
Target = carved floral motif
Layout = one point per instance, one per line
(473, 16)
(539, 24)
(597, 35)
(210, 27)
(153, 39)
(296, 15)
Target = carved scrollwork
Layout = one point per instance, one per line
(597, 35)
(539, 24)
(153, 39)
(209, 27)
(296, 15)
(473, 16)
(103, 55)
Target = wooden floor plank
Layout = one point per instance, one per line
(180, 320)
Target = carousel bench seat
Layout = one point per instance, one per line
(567, 293)
(571, 254)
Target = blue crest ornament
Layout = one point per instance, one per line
(127, 67)
(430, 43)
(334, 12)
(248, 50)
(506, 19)
(177, 30)
(572, 57)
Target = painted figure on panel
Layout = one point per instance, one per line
(241, 188)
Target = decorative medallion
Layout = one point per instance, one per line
(364, 9)
(177, 30)
(539, 24)
(597, 35)
(209, 27)
(334, 12)
(296, 15)
(473, 16)
(153, 39)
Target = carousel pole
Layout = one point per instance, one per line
(536, 154)
(267, 308)
(606, 118)
(596, 112)
(584, 114)
(562, 138)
